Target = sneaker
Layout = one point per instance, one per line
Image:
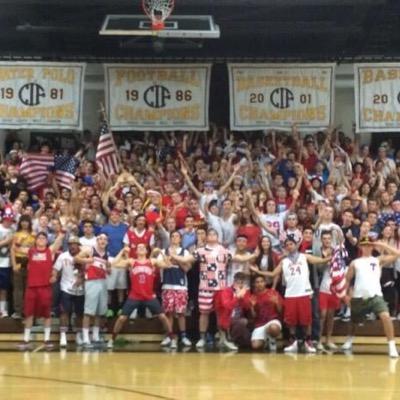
(331, 346)
(110, 344)
(371, 317)
(393, 353)
(174, 344)
(320, 347)
(272, 345)
(24, 346)
(110, 313)
(338, 317)
(292, 348)
(48, 345)
(87, 345)
(210, 339)
(393, 350)
(16, 316)
(309, 347)
(4, 314)
(398, 316)
(78, 339)
(201, 344)
(166, 341)
(228, 345)
(186, 342)
(348, 344)
(63, 341)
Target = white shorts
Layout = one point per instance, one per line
(117, 279)
(260, 333)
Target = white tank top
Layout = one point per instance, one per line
(296, 277)
(367, 278)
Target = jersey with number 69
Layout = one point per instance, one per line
(142, 278)
(276, 222)
(296, 276)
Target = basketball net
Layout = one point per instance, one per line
(158, 11)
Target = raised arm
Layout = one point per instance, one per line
(57, 243)
(138, 185)
(193, 188)
(225, 187)
(257, 218)
(392, 253)
(159, 259)
(184, 259)
(84, 257)
(121, 261)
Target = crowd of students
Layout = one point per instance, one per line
(271, 231)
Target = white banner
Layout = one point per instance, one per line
(271, 96)
(377, 95)
(37, 95)
(157, 97)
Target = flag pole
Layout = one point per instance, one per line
(102, 112)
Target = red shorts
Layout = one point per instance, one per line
(328, 301)
(298, 311)
(206, 301)
(174, 301)
(38, 301)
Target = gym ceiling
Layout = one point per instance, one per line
(251, 30)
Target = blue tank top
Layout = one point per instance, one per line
(174, 278)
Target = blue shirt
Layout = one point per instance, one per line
(174, 278)
(115, 235)
(188, 238)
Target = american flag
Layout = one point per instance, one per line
(65, 167)
(35, 169)
(106, 155)
(337, 271)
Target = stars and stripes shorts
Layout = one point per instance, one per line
(206, 301)
(174, 300)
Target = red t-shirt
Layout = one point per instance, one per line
(152, 216)
(167, 201)
(304, 246)
(142, 274)
(266, 309)
(310, 162)
(253, 233)
(180, 215)
(40, 266)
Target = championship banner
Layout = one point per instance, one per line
(377, 95)
(271, 96)
(157, 97)
(35, 95)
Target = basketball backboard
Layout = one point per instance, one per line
(176, 26)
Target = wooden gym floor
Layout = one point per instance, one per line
(152, 374)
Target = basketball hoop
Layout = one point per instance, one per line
(158, 11)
